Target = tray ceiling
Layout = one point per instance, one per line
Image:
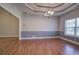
(41, 8)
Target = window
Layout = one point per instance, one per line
(77, 27)
(77, 32)
(72, 27)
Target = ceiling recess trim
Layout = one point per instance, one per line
(69, 6)
(49, 6)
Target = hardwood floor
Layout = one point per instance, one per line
(14, 46)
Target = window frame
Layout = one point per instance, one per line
(69, 34)
(68, 27)
(75, 28)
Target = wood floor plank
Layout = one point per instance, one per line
(14, 46)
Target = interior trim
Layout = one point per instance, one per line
(36, 11)
(9, 36)
(66, 8)
(51, 37)
(38, 37)
(61, 4)
(69, 40)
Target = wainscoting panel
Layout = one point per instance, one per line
(38, 34)
(42, 34)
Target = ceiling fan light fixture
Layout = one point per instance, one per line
(48, 13)
(45, 14)
(52, 13)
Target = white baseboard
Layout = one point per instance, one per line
(69, 40)
(51, 37)
(44, 38)
(38, 38)
(10, 36)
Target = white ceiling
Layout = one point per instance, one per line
(41, 8)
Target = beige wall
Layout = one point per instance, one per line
(72, 14)
(39, 23)
(12, 8)
(9, 24)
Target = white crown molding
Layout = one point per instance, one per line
(58, 11)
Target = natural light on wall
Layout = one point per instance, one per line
(72, 27)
